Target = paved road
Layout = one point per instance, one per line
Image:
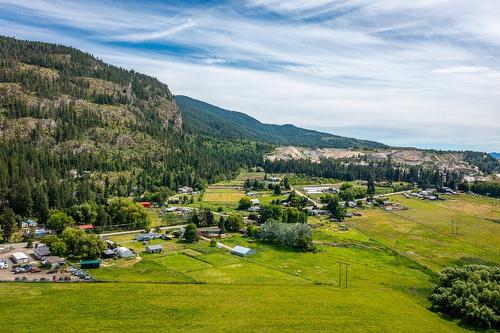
(140, 230)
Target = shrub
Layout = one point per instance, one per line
(252, 231)
(297, 235)
(213, 243)
(471, 293)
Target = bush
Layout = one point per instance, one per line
(213, 243)
(471, 293)
(297, 235)
(252, 231)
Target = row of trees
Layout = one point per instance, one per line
(282, 214)
(374, 171)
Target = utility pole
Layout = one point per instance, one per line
(343, 279)
(454, 228)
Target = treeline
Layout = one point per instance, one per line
(379, 171)
(484, 188)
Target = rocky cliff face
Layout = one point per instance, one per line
(60, 97)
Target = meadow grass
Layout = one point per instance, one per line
(423, 232)
(133, 307)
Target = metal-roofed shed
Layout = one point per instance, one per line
(242, 251)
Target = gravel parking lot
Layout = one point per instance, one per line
(8, 275)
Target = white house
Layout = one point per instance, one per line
(255, 202)
(123, 252)
(20, 258)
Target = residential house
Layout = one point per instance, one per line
(41, 251)
(40, 232)
(147, 237)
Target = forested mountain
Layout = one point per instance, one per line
(495, 155)
(75, 130)
(201, 117)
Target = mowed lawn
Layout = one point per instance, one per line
(133, 307)
(424, 231)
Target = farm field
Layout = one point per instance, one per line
(423, 232)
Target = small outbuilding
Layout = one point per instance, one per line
(90, 263)
(108, 253)
(123, 252)
(20, 258)
(54, 261)
(242, 251)
(154, 248)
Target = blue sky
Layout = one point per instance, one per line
(420, 73)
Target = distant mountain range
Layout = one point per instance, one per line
(495, 155)
(208, 119)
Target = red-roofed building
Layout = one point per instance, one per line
(146, 204)
(86, 226)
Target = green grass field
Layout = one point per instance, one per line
(423, 232)
(394, 258)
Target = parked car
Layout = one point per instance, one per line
(18, 270)
(4, 264)
(34, 270)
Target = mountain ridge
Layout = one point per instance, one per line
(209, 119)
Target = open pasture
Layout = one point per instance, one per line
(424, 231)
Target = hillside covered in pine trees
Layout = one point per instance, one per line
(75, 130)
(212, 120)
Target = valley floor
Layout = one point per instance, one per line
(393, 258)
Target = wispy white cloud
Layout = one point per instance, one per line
(462, 70)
